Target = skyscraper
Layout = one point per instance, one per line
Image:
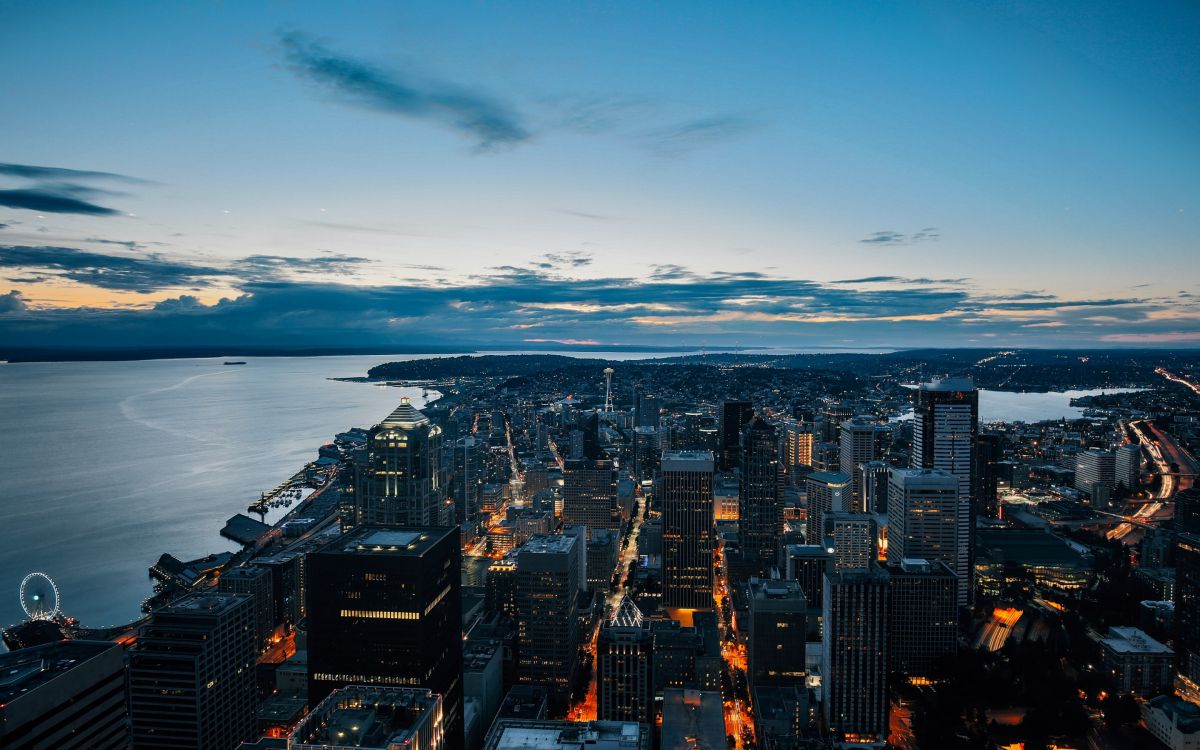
(400, 484)
(686, 500)
(855, 539)
(797, 442)
(1187, 611)
(590, 494)
(646, 411)
(385, 609)
(625, 666)
(923, 522)
(1096, 474)
(548, 579)
(873, 479)
(470, 474)
(255, 581)
(945, 426)
(734, 417)
(856, 447)
(778, 611)
(66, 695)
(923, 616)
(989, 452)
(827, 491)
(191, 674)
(760, 501)
(855, 651)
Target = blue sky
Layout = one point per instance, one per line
(790, 174)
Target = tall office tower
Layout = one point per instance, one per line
(1129, 466)
(646, 411)
(855, 539)
(255, 581)
(945, 425)
(855, 653)
(989, 452)
(923, 607)
(370, 717)
(873, 479)
(1096, 474)
(500, 595)
(385, 608)
(832, 417)
(777, 628)
(760, 495)
(828, 492)
(691, 439)
(735, 415)
(470, 474)
(66, 695)
(825, 457)
(686, 500)
(807, 564)
(547, 627)
(625, 666)
(1187, 510)
(1187, 612)
(590, 494)
(856, 446)
(400, 485)
(645, 453)
(191, 674)
(923, 523)
(797, 442)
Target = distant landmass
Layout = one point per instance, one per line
(997, 369)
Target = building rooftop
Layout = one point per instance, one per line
(209, 602)
(1026, 546)
(365, 716)
(389, 540)
(687, 461)
(521, 734)
(950, 385)
(692, 720)
(1184, 715)
(405, 417)
(627, 615)
(28, 668)
(1128, 640)
(829, 477)
(549, 543)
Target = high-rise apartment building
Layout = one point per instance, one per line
(255, 581)
(470, 474)
(856, 446)
(1187, 611)
(1128, 466)
(945, 428)
(685, 496)
(548, 583)
(796, 443)
(385, 610)
(400, 483)
(66, 695)
(590, 494)
(855, 654)
(873, 479)
(1096, 473)
(923, 520)
(760, 499)
(191, 674)
(735, 415)
(625, 667)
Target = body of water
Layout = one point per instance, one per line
(1006, 406)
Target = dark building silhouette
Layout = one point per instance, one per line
(1187, 610)
(385, 608)
(855, 650)
(548, 583)
(778, 612)
(68, 695)
(760, 499)
(735, 415)
(590, 494)
(989, 451)
(1187, 510)
(191, 675)
(923, 612)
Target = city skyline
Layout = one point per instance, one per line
(470, 176)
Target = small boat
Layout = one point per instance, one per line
(235, 363)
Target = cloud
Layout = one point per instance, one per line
(52, 201)
(146, 273)
(30, 172)
(583, 214)
(681, 138)
(258, 267)
(488, 122)
(11, 302)
(889, 237)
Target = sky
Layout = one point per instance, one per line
(671, 174)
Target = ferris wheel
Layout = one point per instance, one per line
(39, 597)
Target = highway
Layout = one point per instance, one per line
(1195, 388)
